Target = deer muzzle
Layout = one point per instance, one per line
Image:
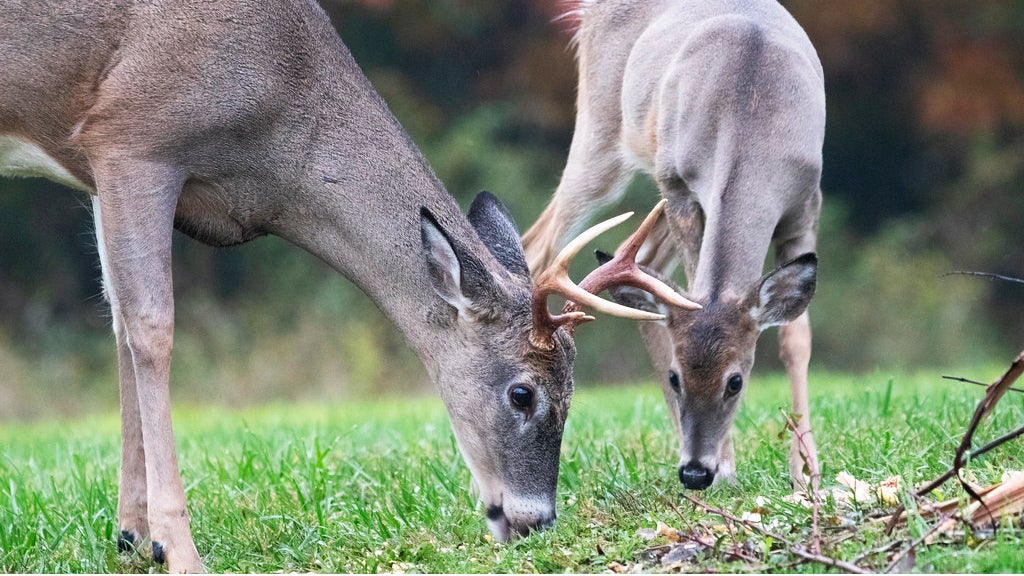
(696, 476)
(518, 516)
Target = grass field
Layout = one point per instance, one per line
(378, 486)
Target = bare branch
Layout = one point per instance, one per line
(792, 547)
(985, 274)
(735, 551)
(913, 545)
(975, 382)
(985, 406)
(814, 484)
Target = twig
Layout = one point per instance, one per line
(985, 274)
(876, 550)
(985, 407)
(994, 393)
(976, 383)
(793, 548)
(913, 545)
(895, 517)
(735, 547)
(815, 482)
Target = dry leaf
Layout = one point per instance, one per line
(647, 533)
(861, 490)
(1005, 499)
(668, 532)
(888, 490)
(617, 568)
(798, 498)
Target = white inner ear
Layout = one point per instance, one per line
(654, 305)
(449, 284)
(762, 313)
(767, 312)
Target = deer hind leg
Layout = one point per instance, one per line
(131, 494)
(795, 353)
(136, 210)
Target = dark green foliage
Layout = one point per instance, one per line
(922, 176)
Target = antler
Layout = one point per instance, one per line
(621, 270)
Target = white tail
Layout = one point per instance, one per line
(722, 103)
(229, 120)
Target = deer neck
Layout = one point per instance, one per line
(357, 207)
(737, 234)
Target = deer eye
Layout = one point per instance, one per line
(521, 397)
(734, 385)
(673, 380)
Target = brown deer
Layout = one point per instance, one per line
(234, 119)
(722, 102)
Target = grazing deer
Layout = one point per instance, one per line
(722, 103)
(234, 119)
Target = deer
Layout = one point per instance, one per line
(233, 120)
(722, 104)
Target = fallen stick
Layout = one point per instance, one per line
(814, 484)
(976, 383)
(926, 537)
(994, 393)
(691, 537)
(793, 548)
(985, 274)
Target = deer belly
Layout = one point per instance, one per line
(20, 157)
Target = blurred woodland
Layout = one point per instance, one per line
(924, 174)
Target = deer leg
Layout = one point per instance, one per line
(685, 226)
(131, 494)
(795, 352)
(593, 178)
(137, 202)
(726, 462)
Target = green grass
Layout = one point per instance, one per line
(378, 486)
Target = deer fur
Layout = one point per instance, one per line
(234, 119)
(722, 103)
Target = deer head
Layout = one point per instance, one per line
(706, 358)
(509, 422)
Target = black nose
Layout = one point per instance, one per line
(695, 476)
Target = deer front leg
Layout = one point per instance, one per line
(594, 177)
(795, 352)
(726, 463)
(131, 493)
(137, 202)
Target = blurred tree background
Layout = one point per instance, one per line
(924, 171)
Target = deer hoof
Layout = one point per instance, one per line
(158, 553)
(126, 541)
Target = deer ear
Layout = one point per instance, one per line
(457, 277)
(783, 294)
(498, 232)
(634, 297)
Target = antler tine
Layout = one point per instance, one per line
(622, 270)
(632, 245)
(572, 248)
(555, 279)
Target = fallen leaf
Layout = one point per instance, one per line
(861, 490)
(647, 533)
(752, 517)
(668, 532)
(682, 553)
(617, 568)
(888, 490)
